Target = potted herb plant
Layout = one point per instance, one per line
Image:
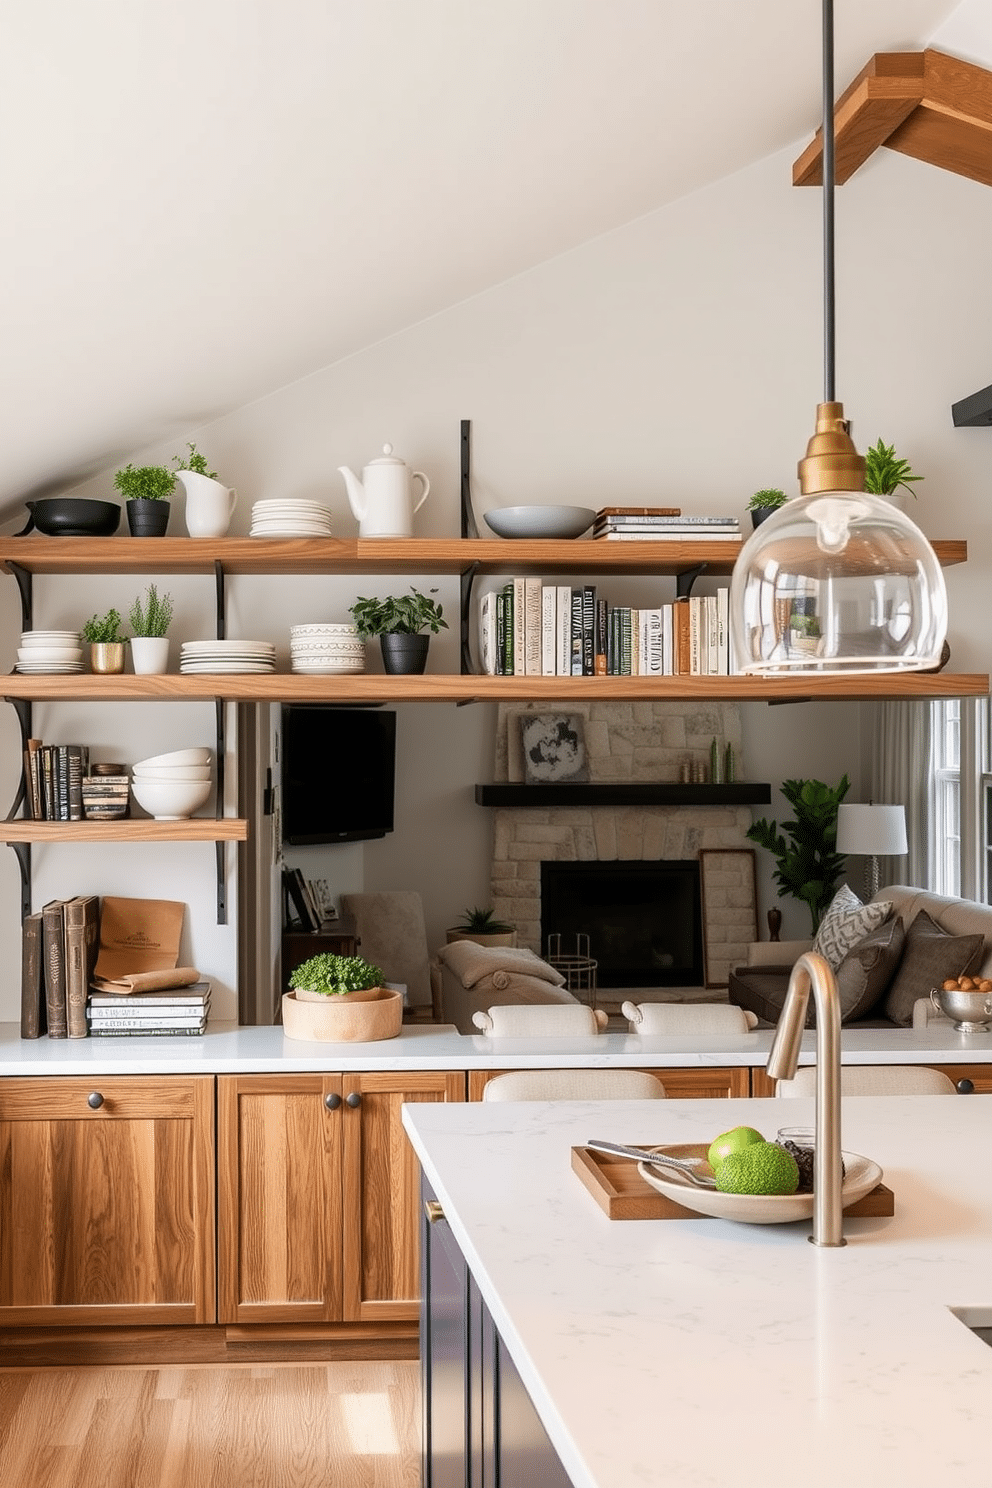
(103, 632)
(209, 503)
(146, 490)
(763, 503)
(149, 620)
(888, 475)
(402, 624)
(340, 998)
(805, 850)
(482, 926)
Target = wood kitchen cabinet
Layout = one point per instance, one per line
(680, 1084)
(107, 1201)
(318, 1196)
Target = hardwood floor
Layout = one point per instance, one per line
(350, 1425)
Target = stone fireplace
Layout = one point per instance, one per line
(628, 743)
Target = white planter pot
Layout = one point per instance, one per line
(150, 654)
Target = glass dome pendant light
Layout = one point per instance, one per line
(836, 582)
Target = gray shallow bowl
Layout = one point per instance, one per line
(540, 521)
(73, 516)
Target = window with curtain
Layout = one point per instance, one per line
(960, 799)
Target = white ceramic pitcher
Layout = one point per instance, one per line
(383, 500)
(209, 504)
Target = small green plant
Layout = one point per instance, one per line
(334, 975)
(482, 922)
(103, 629)
(809, 865)
(767, 498)
(804, 625)
(885, 472)
(194, 461)
(406, 614)
(154, 616)
(145, 482)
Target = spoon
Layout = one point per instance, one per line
(687, 1166)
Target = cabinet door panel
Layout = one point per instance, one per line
(107, 1216)
(382, 1183)
(280, 1198)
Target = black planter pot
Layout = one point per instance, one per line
(759, 513)
(147, 518)
(404, 654)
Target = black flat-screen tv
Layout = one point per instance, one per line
(338, 772)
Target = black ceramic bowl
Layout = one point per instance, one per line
(70, 516)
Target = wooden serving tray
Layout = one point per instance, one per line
(622, 1193)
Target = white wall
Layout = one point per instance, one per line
(677, 360)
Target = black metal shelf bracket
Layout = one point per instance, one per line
(22, 852)
(220, 750)
(685, 580)
(469, 527)
(26, 589)
(221, 598)
(466, 581)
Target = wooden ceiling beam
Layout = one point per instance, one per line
(928, 105)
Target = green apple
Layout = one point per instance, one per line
(731, 1141)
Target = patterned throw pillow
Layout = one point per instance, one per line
(845, 922)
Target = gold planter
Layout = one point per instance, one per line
(107, 656)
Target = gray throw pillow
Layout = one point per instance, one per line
(930, 957)
(864, 975)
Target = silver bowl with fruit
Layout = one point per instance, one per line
(967, 1002)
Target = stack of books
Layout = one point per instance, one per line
(178, 1012)
(58, 953)
(662, 524)
(105, 793)
(54, 777)
(531, 628)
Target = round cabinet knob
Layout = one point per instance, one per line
(94, 1100)
(332, 1102)
(966, 1087)
(354, 1100)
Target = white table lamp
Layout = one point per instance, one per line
(871, 832)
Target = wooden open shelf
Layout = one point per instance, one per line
(409, 555)
(925, 104)
(453, 688)
(192, 829)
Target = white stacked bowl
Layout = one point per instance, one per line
(326, 648)
(174, 785)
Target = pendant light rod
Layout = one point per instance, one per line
(829, 352)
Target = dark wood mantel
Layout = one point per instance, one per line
(624, 793)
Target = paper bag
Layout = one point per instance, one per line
(138, 935)
(147, 981)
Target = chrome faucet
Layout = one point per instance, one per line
(813, 971)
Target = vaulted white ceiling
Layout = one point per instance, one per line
(204, 200)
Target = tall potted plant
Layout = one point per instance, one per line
(404, 625)
(146, 490)
(149, 620)
(805, 850)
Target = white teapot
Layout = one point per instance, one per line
(383, 500)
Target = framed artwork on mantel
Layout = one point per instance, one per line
(729, 900)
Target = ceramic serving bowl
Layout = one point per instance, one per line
(50, 653)
(177, 757)
(540, 521)
(171, 772)
(72, 516)
(170, 800)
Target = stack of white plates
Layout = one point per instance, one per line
(326, 648)
(49, 651)
(227, 656)
(285, 518)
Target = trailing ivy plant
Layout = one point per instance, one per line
(809, 866)
(145, 482)
(885, 472)
(154, 616)
(194, 461)
(103, 630)
(406, 614)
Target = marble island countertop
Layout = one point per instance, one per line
(227, 1048)
(722, 1355)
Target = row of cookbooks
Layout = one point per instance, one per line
(60, 787)
(63, 995)
(662, 524)
(532, 628)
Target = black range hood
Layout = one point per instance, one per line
(974, 410)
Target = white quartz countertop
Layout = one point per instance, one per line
(230, 1049)
(707, 1354)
